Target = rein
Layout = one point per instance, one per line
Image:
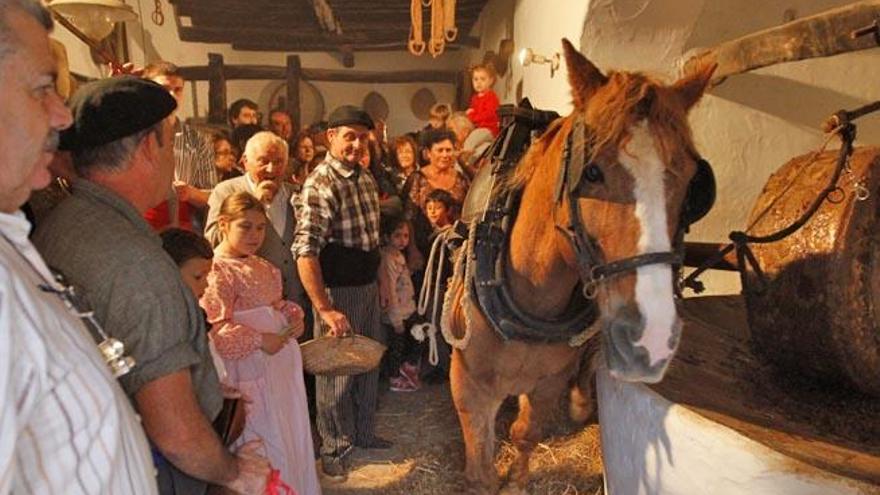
(592, 267)
(841, 124)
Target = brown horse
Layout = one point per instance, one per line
(638, 167)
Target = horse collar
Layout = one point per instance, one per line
(489, 240)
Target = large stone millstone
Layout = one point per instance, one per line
(819, 314)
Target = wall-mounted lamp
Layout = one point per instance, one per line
(95, 18)
(528, 57)
(91, 21)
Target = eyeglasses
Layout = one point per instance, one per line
(112, 349)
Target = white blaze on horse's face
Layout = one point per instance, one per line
(653, 288)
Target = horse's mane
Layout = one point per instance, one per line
(626, 99)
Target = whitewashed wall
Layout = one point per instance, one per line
(148, 42)
(747, 127)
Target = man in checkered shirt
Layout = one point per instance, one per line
(336, 246)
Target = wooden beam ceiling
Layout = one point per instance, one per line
(338, 26)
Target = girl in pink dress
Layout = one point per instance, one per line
(254, 330)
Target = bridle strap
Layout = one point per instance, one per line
(591, 266)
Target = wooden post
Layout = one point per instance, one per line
(294, 74)
(216, 89)
(462, 90)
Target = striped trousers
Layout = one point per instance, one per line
(347, 404)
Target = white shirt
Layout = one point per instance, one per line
(65, 424)
(276, 210)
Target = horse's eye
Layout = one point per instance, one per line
(594, 173)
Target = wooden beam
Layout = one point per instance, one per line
(465, 42)
(820, 35)
(297, 34)
(343, 12)
(226, 35)
(697, 253)
(462, 89)
(294, 75)
(216, 89)
(264, 72)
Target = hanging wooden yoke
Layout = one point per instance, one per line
(443, 28)
(416, 43)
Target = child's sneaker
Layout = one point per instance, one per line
(402, 384)
(411, 373)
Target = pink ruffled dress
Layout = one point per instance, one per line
(243, 300)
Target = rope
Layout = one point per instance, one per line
(462, 272)
(422, 331)
(433, 277)
(416, 44)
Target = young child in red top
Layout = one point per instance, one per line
(484, 102)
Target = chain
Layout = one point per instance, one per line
(859, 186)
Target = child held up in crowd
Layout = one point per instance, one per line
(483, 110)
(400, 306)
(254, 330)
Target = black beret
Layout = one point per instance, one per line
(110, 109)
(349, 115)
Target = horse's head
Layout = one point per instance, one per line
(629, 193)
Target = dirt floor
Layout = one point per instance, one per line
(428, 453)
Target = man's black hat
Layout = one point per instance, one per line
(110, 109)
(349, 115)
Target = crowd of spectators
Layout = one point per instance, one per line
(207, 253)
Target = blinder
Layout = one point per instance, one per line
(700, 195)
(699, 198)
(701, 190)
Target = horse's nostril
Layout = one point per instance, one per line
(626, 359)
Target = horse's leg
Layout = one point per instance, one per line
(476, 407)
(534, 410)
(581, 405)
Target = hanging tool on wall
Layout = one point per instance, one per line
(443, 28)
(158, 16)
(416, 43)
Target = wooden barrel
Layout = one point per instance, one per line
(818, 315)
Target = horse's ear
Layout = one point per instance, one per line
(693, 84)
(583, 76)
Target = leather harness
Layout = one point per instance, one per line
(493, 205)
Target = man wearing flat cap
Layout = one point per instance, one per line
(121, 143)
(336, 245)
